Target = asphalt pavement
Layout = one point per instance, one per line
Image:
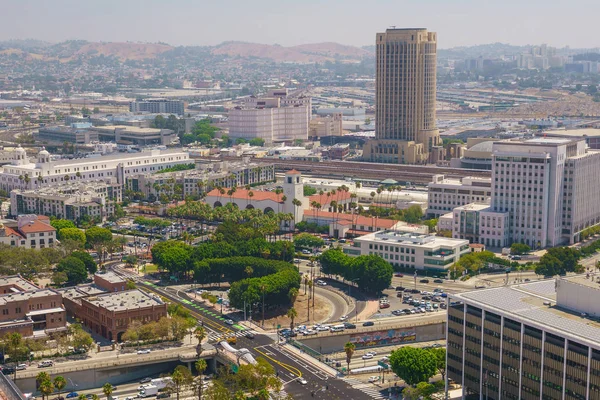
(263, 345)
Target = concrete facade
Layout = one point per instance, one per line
(444, 195)
(405, 95)
(412, 250)
(518, 342)
(277, 117)
(157, 106)
(94, 199)
(24, 174)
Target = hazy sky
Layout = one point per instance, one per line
(291, 22)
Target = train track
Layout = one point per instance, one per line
(362, 170)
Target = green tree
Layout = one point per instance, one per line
(201, 366)
(74, 268)
(413, 214)
(59, 224)
(519, 248)
(292, 314)
(413, 365)
(372, 273)
(440, 356)
(87, 259)
(59, 278)
(333, 262)
(46, 387)
(181, 378)
(307, 240)
(200, 334)
(130, 285)
(107, 389)
(59, 384)
(349, 349)
(75, 234)
(99, 239)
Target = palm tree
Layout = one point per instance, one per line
(292, 314)
(107, 389)
(95, 397)
(178, 380)
(67, 177)
(46, 388)
(250, 196)
(200, 334)
(263, 287)
(349, 349)
(59, 384)
(200, 367)
(78, 174)
(82, 397)
(310, 286)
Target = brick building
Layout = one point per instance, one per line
(110, 314)
(110, 281)
(29, 310)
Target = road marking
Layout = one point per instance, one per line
(290, 368)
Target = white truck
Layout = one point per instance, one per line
(161, 383)
(148, 391)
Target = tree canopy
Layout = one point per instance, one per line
(413, 364)
(370, 272)
(306, 240)
(75, 234)
(87, 259)
(74, 268)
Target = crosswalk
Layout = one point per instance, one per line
(217, 337)
(366, 388)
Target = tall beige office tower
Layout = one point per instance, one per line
(405, 130)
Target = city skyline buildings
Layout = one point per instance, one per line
(405, 84)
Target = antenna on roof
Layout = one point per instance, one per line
(393, 26)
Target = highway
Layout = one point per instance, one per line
(318, 386)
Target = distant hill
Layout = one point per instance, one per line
(124, 51)
(307, 53)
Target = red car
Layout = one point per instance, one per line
(399, 275)
(384, 305)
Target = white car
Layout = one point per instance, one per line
(302, 381)
(322, 328)
(229, 321)
(373, 353)
(373, 379)
(143, 351)
(343, 318)
(321, 283)
(367, 356)
(21, 367)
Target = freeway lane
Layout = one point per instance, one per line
(263, 346)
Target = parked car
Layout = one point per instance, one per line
(373, 379)
(384, 305)
(399, 275)
(399, 288)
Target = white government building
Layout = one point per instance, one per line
(545, 192)
(411, 250)
(21, 173)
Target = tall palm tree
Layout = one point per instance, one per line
(200, 367)
(310, 286)
(200, 334)
(59, 384)
(263, 287)
(107, 389)
(46, 388)
(349, 349)
(292, 314)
